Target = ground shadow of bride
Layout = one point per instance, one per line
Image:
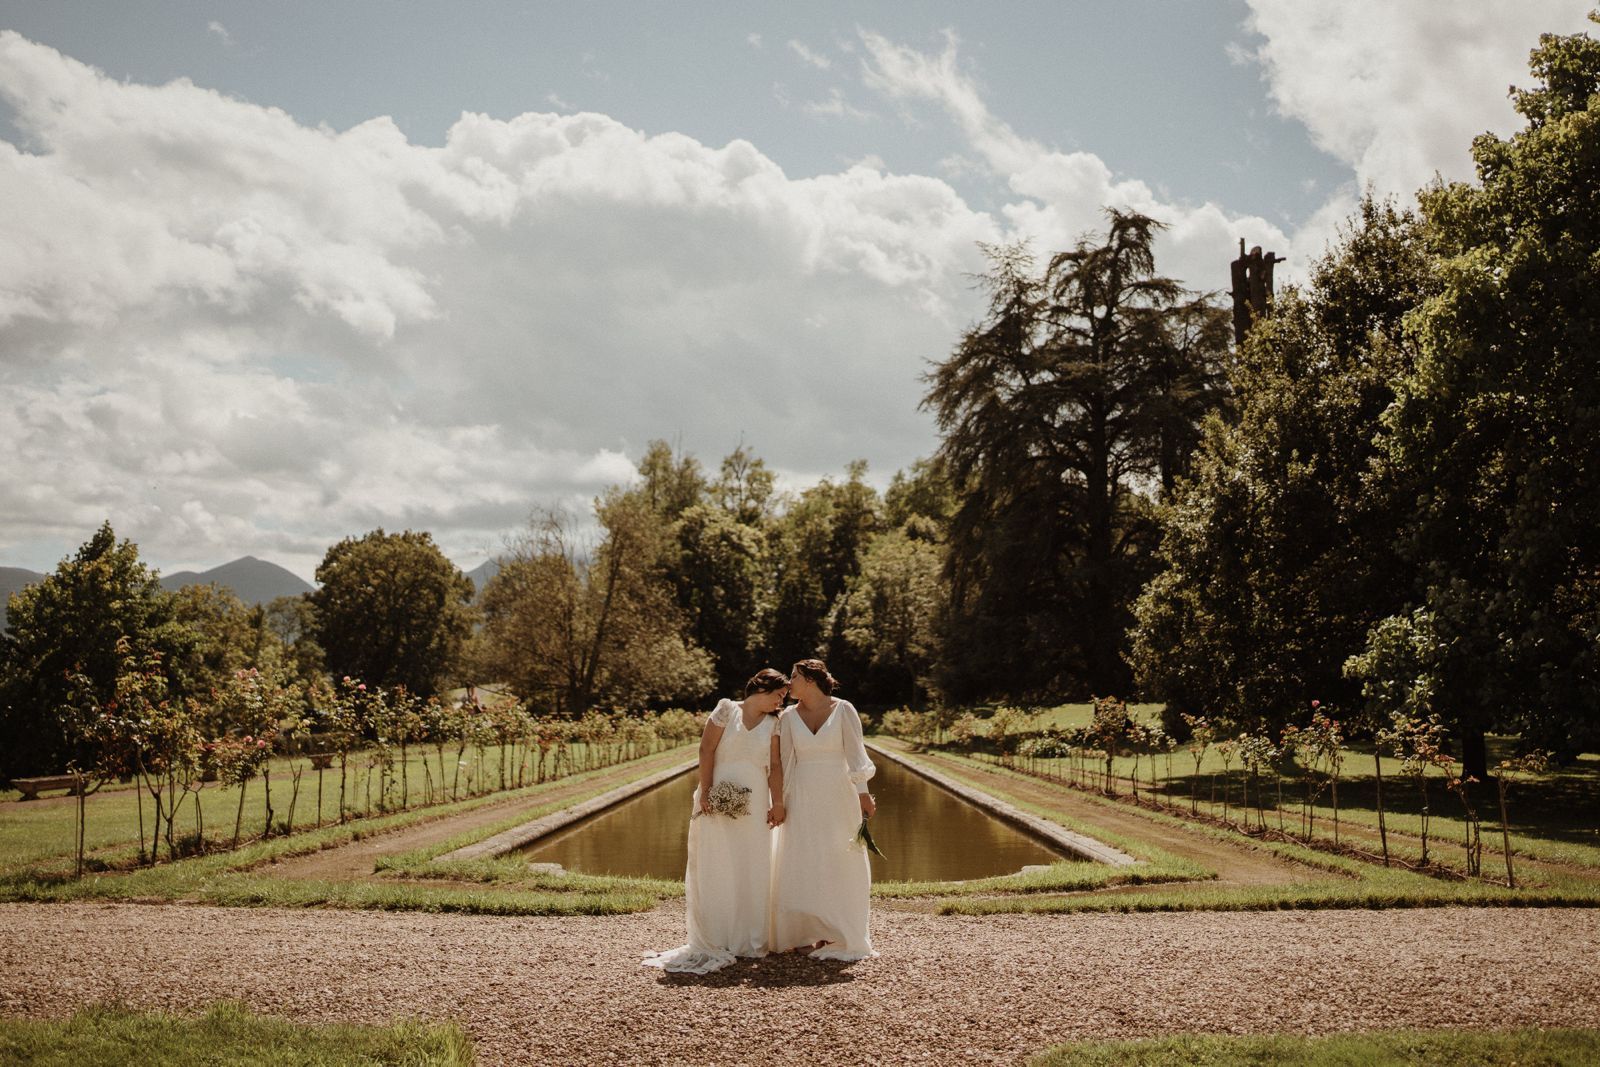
(776, 971)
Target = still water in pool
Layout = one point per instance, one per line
(926, 834)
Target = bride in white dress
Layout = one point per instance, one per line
(821, 875)
(727, 882)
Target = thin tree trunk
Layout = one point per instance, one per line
(238, 820)
(1505, 833)
(83, 815)
(1336, 811)
(138, 798)
(266, 780)
(294, 797)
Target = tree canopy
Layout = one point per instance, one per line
(1079, 391)
(64, 635)
(392, 610)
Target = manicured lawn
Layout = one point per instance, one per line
(1346, 883)
(241, 877)
(1444, 1048)
(37, 832)
(1553, 817)
(227, 1035)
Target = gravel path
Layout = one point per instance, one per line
(946, 989)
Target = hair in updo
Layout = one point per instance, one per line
(817, 672)
(766, 680)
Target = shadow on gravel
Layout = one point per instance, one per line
(778, 971)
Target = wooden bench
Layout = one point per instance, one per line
(30, 786)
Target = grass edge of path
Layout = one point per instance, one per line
(227, 1034)
(1526, 1047)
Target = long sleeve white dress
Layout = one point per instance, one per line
(821, 875)
(727, 881)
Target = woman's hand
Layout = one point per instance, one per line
(705, 802)
(869, 807)
(776, 814)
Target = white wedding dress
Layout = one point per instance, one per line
(821, 875)
(727, 881)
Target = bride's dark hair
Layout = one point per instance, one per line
(817, 671)
(766, 680)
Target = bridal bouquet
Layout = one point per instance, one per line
(728, 799)
(864, 837)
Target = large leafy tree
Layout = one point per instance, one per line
(1081, 388)
(571, 626)
(1495, 434)
(719, 562)
(292, 621)
(891, 609)
(392, 610)
(229, 636)
(61, 647)
(816, 549)
(718, 565)
(669, 481)
(1278, 553)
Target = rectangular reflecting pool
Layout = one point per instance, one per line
(926, 833)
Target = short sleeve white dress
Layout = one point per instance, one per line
(821, 875)
(727, 881)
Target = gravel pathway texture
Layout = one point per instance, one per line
(945, 989)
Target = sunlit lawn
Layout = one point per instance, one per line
(35, 832)
(1555, 816)
(226, 1035)
(1444, 1048)
(245, 876)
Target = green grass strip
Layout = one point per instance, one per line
(241, 878)
(1352, 883)
(1443, 1048)
(228, 1035)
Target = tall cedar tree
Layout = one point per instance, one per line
(1061, 414)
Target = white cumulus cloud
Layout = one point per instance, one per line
(1057, 196)
(230, 332)
(1398, 90)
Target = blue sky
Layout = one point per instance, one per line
(1154, 87)
(285, 272)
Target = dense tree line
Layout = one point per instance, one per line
(691, 582)
(1404, 514)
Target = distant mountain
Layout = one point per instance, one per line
(481, 574)
(12, 579)
(254, 581)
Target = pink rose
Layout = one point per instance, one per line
(261, 744)
(248, 739)
(1316, 703)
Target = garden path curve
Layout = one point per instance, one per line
(987, 990)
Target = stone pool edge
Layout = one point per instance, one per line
(1070, 842)
(507, 840)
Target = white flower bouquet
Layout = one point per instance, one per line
(727, 799)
